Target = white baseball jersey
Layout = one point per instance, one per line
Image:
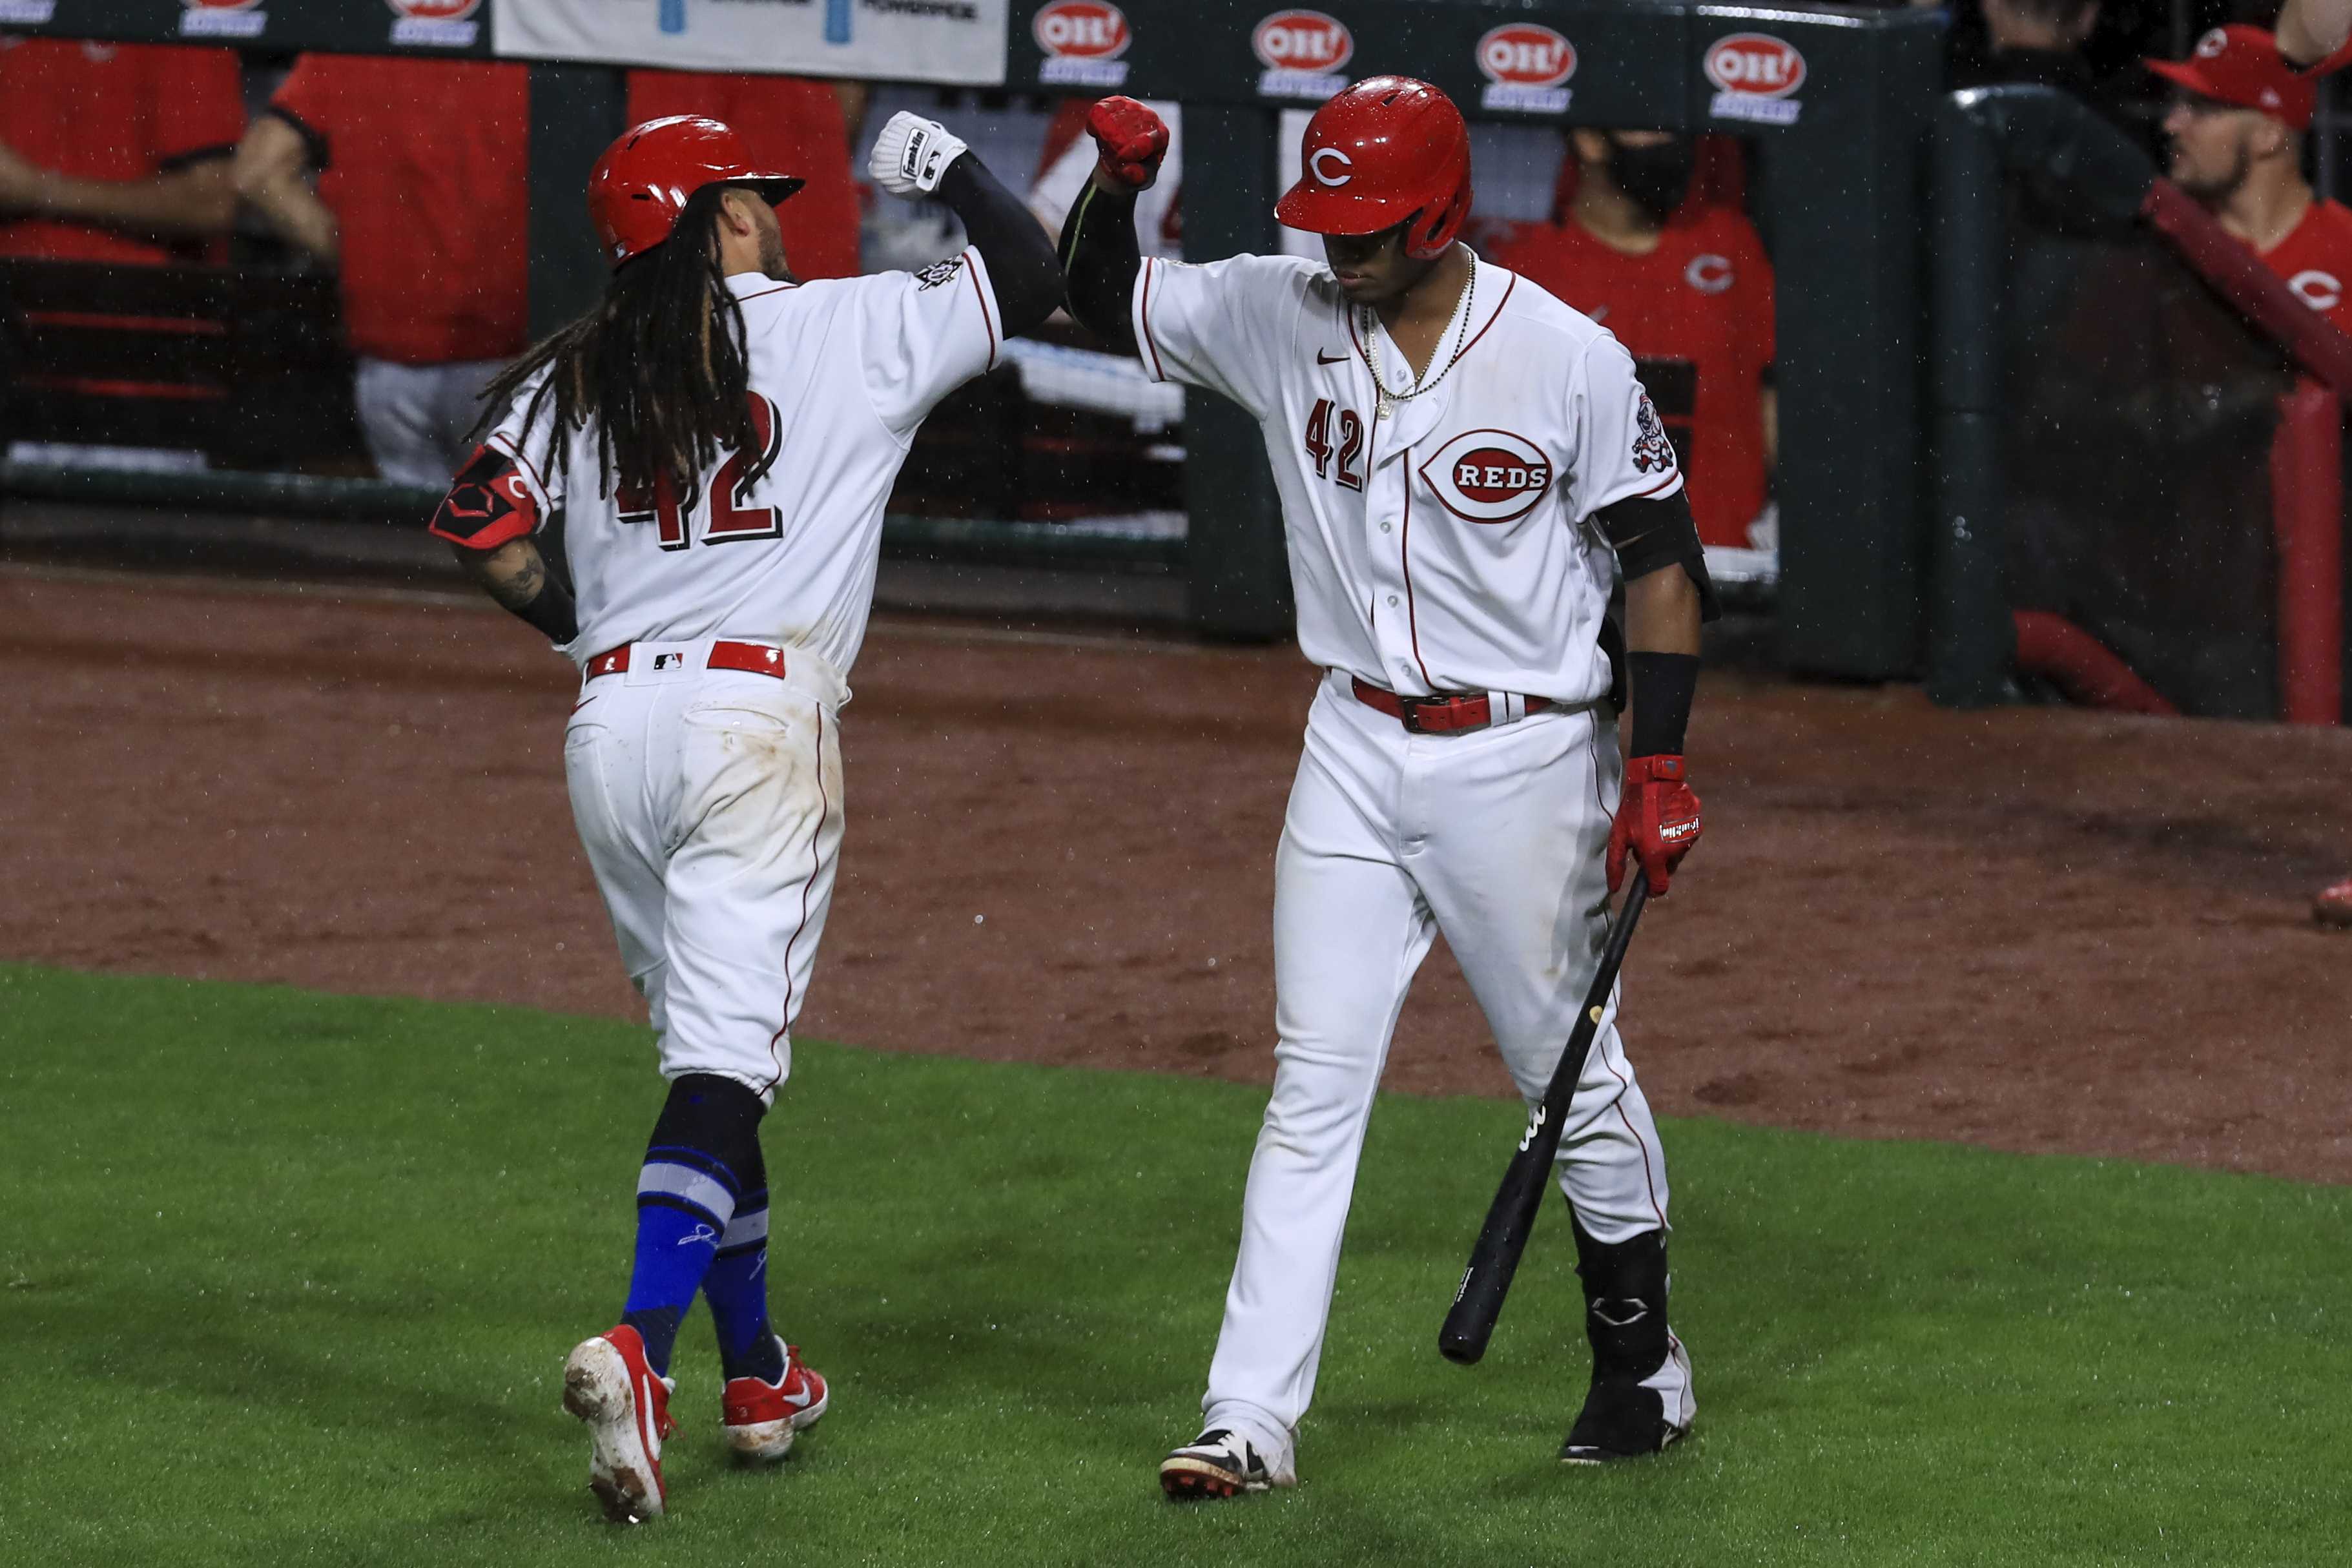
(1442, 545)
(841, 373)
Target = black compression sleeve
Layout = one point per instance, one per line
(1664, 685)
(1010, 239)
(554, 613)
(1099, 260)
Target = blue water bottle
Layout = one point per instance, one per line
(836, 21)
(673, 15)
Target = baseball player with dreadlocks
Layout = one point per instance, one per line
(1465, 466)
(721, 440)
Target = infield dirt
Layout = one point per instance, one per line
(2033, 929)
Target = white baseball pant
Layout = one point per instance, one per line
(710, 804)
(1497, 839)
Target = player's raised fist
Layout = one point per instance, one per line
(1130, 139)
(912, 154)
(1658, 822)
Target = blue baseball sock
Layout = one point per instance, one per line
(736, 1289)
(688, 1192)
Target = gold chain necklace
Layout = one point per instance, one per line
(1466, 303)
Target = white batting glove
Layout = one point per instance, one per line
(912, 154)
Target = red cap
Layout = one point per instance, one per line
(1387, 148)
(2243, 66)
(641, 185)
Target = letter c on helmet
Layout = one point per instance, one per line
(1314, 163)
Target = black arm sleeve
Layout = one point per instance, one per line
(1651, 535)
(1664, 685)
(554, 613)
(1099, 261)
(1010, 239)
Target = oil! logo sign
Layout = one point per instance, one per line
(434, 24)
(1524, 66)
(1303, 53)
(1756, 78)
(1083, 40)
(1488, 475)
(222, 19)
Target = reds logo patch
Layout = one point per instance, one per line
(1488, 475)
(1653, 453)
(939, 272)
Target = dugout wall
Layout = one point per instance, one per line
(1836, 100)
(2137, 434)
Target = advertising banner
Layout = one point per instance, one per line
(959, 41)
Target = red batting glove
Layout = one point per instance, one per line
(1131, 140)
(1657, 820)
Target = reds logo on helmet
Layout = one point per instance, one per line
(1488, 475)
(1082, 30)
(1303, 41)
(1753, 65)
(1523, 54)
(434, 10)
(1330, 166)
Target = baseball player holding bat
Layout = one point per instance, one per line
(1465, 467)
(721, 440)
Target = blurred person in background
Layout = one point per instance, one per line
(2315, 35)
(2037, 41)
(787, 122)
(1674, 281)
(421, 171)
(117, 153)
(2236, 123)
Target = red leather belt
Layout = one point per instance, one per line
(1453, 714)
(757, 657)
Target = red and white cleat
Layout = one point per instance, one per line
(608, 1384)
(763, 1418)
(2333, 906)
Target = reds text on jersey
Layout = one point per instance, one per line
(841, 373)
(1443, 546)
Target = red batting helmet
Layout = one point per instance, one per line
(1387, 151)
(641, 185)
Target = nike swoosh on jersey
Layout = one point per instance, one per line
(1322, 358)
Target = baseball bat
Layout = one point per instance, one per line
(1495, 1257)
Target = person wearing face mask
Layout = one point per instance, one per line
(1687, 288)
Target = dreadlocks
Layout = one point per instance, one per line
(658, 367)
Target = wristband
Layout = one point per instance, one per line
(1664, 687)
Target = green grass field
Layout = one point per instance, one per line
(289, 1278)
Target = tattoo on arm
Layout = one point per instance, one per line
(516, 576)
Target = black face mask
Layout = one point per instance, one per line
(1656, 178)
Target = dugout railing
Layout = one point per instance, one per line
(2139, 430)
(1834, 101)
